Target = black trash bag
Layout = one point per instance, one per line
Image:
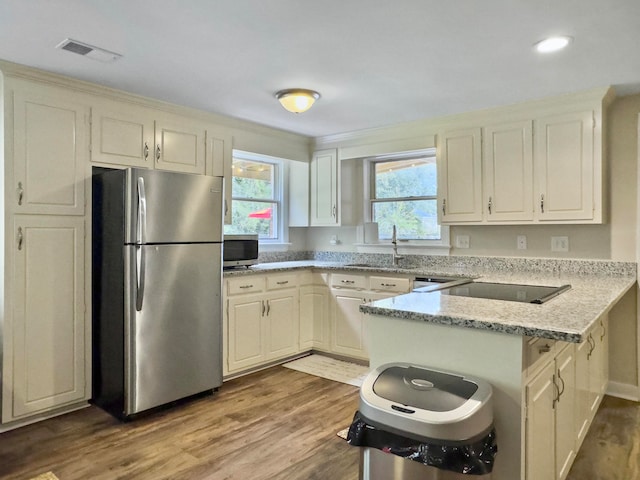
(473, 458)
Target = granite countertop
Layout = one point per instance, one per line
(567, 317)
(306, 264)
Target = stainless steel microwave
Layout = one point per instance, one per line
(240, 250)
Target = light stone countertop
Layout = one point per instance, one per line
(567, 317)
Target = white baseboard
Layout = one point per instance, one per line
(624, 390)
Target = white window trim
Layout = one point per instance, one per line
(441, 246)
(281, 188)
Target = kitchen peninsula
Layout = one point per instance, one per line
(546, 363)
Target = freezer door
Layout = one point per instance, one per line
(167, 207)
(173, 323)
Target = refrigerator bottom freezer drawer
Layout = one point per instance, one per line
(173, 346)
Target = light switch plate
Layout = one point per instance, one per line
(559, 244)
(462, 241)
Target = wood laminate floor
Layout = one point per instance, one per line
(278, 424)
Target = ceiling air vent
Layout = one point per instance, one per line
(89, 51)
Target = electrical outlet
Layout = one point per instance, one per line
(559, 244)
(521, 242)
(462, 241)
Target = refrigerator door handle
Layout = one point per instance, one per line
(140, 275)
(142, 212)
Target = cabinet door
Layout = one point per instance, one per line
(246, 331)
(122, 135)
(598, 366)
(460, 176)
(348, 323)
(314, 317)
(540, 425)
(219, 158)
(565, 426)
(564, 150)
(508, 172)
(324, 188)
(48, 336)
(583, 396)
(282, 324)
(180, 145)
(50, 153)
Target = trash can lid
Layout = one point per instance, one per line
(426, 403)
(423, 388)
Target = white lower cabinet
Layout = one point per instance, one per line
(262, 324)
(550, 418)
(592, 376)
(273, 317)
(560, 400)
(245, 332)
(315, 327)
(348, 323)
(44, 340)
(348, 292)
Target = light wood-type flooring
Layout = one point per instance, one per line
(276, 424)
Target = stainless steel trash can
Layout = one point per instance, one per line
(419, 423)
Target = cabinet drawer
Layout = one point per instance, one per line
(390, 284)
(245, 284)
(277, 282)
(537, 352)
(341, 280)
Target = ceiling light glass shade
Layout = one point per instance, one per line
(552, 44)
(297, 100)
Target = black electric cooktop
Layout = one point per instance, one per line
(506, 291)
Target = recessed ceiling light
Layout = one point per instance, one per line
(552, 44)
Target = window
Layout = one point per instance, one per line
(404, 193)
(256, 191)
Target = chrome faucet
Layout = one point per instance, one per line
(394, 241)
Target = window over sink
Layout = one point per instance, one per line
(403, 192)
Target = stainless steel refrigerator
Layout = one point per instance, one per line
(157, 273)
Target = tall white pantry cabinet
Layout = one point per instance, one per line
(53, 135)
(45, 343)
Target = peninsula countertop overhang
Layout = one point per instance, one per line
(567, 317)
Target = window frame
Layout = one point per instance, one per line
(280, 191)
(371, 200)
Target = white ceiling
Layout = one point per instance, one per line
(374, 62)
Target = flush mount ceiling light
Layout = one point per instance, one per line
(552, 44)
(297, 100)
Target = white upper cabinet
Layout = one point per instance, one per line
(137, 136)
(122, 135)
(542, 164)
(50, 150)
(565, 167)
(460, 176)
(508, 172)
(180, 144)
(218, 163)
(324, 188)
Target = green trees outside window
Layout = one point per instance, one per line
(404, 194)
